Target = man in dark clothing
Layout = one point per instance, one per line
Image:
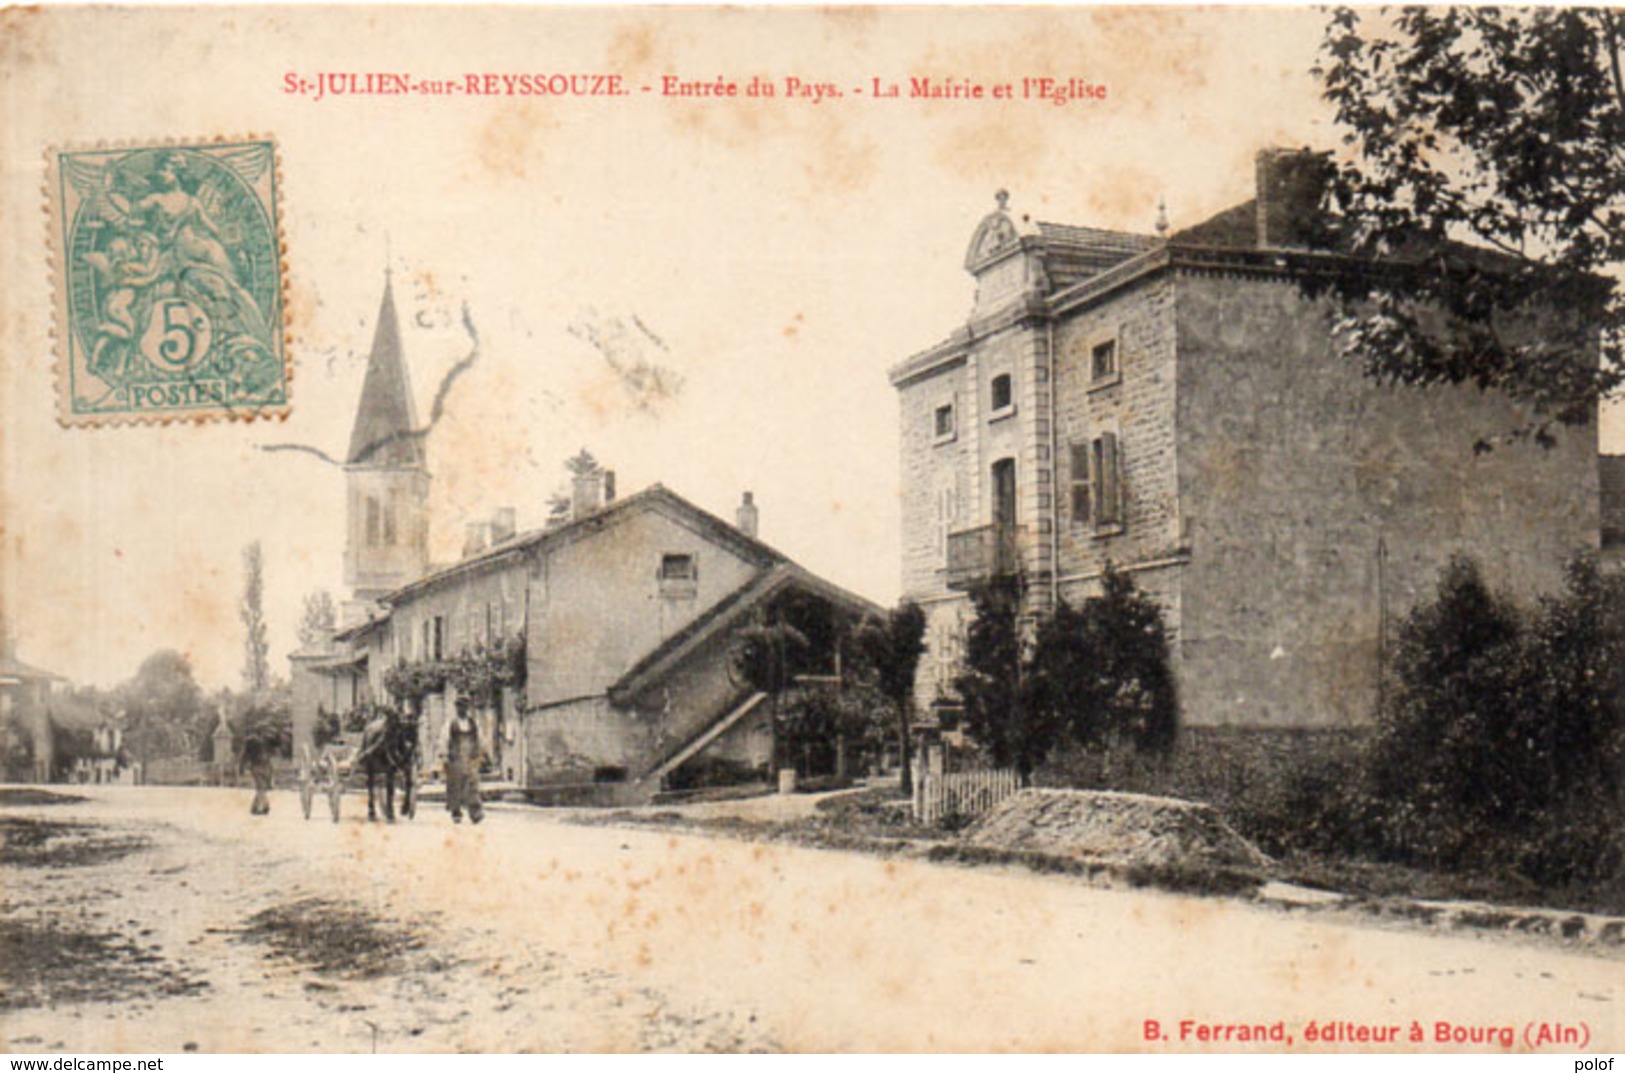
(461, 747)
(256, 760)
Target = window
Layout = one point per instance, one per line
(1097, 482)
(390, 507)
(679, 576)
(675, 567)
(1103, 361)
(1081, 510)
(942, 423)
(1001, 399)
(947, 514)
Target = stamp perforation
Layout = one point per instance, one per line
(190, 277)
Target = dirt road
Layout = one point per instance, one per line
(222, 932)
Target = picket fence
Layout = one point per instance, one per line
(963, 794)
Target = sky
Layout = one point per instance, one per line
(705, 292)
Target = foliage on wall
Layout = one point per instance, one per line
(479, 672)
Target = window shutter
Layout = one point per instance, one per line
(1080, 483)
(1111, 484)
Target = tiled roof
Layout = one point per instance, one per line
(656, 495)
(671, 653)
(1235, 227)
(16, 668)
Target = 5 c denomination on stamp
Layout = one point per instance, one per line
(169, 283)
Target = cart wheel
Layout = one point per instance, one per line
(335, 790)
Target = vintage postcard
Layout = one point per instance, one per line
(772, 529)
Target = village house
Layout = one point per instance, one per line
(1173, 405)
(608, 638)
(63, 736)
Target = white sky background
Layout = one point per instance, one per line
(785, 253)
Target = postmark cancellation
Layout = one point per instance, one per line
(168, 272)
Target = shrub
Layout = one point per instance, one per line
(999, 712)
(1502, 746)
(1103, 670)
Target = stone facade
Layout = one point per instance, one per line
(1178, 411)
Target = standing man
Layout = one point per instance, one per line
(256, 760)
(461, 746)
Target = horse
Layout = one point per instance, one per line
(389, 746)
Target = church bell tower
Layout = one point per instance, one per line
(386, 476)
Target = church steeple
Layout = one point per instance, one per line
(387, 474)
(386, 424)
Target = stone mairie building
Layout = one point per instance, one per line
(1173, 404)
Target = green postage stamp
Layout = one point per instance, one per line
(169, 283)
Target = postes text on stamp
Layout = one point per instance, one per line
(169, 299)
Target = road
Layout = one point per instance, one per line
(532, 934)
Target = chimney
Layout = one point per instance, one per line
(1291, 190)
(609, 487)
(747, 516)
(503, 524)
(586, 493)
(476, 537)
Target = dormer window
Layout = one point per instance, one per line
(1001, 397)
(942, 423)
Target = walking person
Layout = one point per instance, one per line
(256, 760)
(460, 744)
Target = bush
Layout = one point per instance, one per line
(1502, 746)
(1098, 674)
(1103, 670)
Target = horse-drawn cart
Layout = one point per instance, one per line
(385, 751)
(323, 770)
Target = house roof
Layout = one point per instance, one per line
(1074, 253)
(656, 497)
(386, 429)
(676, 649)
(10, 667)
(1233, 228)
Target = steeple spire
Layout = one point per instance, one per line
(386, 425)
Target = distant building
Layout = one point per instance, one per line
(63, 736)
(625, 618)
(27, 696)
(1173, 405)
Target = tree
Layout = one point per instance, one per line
(889, 651)
(999, 712)
(1504, 127)
(164, 709)
(256, 662)
(1103, 670)
(1504, 746)
(318, 618)
(266, 721)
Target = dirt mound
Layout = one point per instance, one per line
(1131, 831)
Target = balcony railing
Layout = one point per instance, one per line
(987, 553)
